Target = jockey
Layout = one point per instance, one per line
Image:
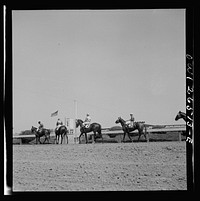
(131, 121)
(59, 123)
(40, 127)
(87, 121)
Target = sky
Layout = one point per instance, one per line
(112, 62)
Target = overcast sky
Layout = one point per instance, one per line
(113, 62)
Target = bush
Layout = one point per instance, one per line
(115, 128)
(26, 132)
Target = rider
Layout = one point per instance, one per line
(131, 121)
(87, 121)
(59, 123)
(40, 127)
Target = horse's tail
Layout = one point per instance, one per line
(100, 133)
(145, 132)
(99, 130)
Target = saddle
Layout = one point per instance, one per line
(87, 126)
(130, 124)
(58, 128)
(40, 130)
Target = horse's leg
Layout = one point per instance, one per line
(99, 132)
(58, 139)
(139, 135)
(94, 137)
(67, 138)
(141, 131)
(124, 136)
(48, 138)
(63, 138)
(145, 133)
(62, 135)
(86, 138)
(80, 137)
(45, 139)
(129, 136)
(64, 141)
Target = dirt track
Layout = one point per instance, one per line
(100, 167)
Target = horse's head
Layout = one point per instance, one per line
(33, 129)
(118, 120)
(177, 116)
(180, 115)
(78, 122)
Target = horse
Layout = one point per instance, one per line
(94, 127)
(44, 132)
(137, 125)
(180, 115)
(61, 131)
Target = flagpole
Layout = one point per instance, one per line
(75, 117)
(75, 108)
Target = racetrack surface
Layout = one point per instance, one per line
(100, 167)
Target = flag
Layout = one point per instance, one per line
(54, 114)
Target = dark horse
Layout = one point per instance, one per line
(94, 127)
(137, 125)
(180, 115)
(61, 131)
(44, 132)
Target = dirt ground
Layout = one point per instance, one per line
(100, 167)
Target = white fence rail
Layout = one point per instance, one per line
(105, 131)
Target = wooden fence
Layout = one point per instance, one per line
(150, 129)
